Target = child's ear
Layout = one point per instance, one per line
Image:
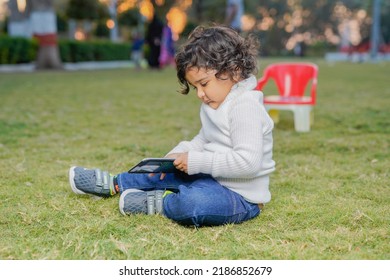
(237, 76)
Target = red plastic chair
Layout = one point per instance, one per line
(291, 79)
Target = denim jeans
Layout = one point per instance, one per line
(196, 200)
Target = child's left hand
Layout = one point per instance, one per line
(181, 162)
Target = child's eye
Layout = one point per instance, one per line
(204, 84)
(194, 88)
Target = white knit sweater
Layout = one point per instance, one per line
(234, 144)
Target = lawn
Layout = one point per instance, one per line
(331, 192)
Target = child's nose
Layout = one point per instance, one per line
(200, 93)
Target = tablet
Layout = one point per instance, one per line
(154, 165)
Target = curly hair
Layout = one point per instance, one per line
(217, 48)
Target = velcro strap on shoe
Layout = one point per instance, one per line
(106, 180)
(150, 202)
(159, 201)
(102, 180)
(154, 200)
(99, 177)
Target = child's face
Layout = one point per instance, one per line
(210, 89)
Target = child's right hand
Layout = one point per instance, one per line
(162, 175)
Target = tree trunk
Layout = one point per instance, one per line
(44, 28)
(375, 29)
(18, 23)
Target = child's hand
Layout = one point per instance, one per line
(162, 175)
(181, 162)
(181, 158)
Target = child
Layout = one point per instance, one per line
(226, 166)
(137, 49)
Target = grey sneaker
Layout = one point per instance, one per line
(133, 201)
(91, 181)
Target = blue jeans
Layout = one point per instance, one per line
(196, 200)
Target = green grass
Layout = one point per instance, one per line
(330, 191)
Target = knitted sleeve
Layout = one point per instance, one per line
(195, 144)
(248, 120)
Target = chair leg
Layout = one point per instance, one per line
(302, 118)
(274, 114)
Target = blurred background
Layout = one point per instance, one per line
(91, 30)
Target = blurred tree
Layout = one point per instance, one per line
(18, 20)
(203, 12)
(83, 9)
(279, 23)
(44, 28)
(129, 17)
(101, 29)
(81, 15)
(385, 21)
(161, 8)
(62, 23)
(294, 21)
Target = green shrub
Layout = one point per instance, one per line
(76, 51)
(15, 50)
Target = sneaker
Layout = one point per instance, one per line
(133, 201)
(91, 181)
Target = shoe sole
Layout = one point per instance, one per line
(71, 181)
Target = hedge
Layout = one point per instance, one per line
(14, 50)
(78, 51)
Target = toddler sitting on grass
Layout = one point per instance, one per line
(225, 168)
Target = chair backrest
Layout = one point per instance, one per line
(291, 78)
